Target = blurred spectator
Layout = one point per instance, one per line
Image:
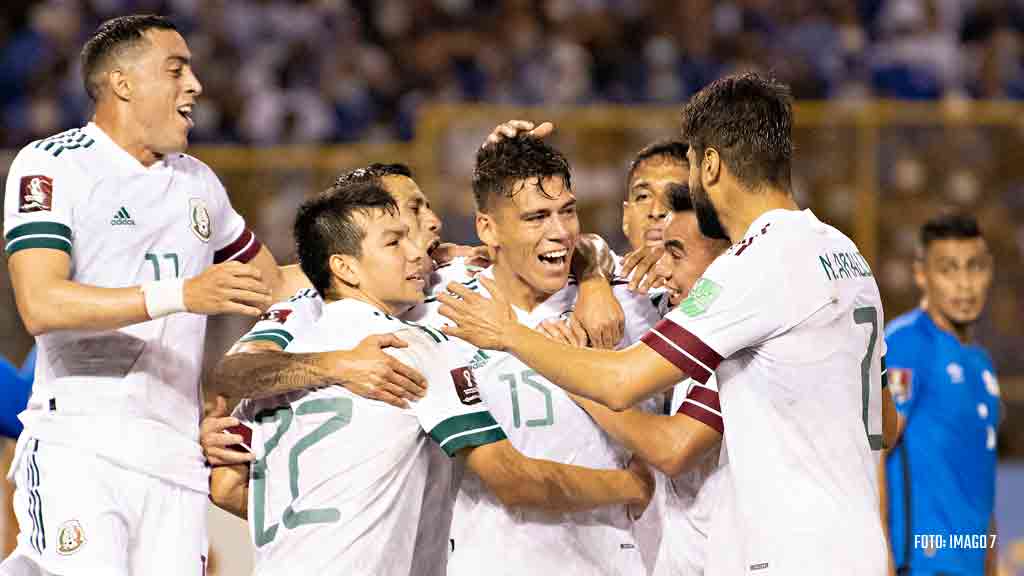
(16, 385)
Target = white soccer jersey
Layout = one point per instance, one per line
(543, 422)
(346, 485)
(120, 393)
(790, 319)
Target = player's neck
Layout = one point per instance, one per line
(515, 290)
(125, 133)
(750, 205)
(964, 333)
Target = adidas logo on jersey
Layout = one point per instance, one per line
(122, 218)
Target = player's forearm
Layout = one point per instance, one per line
(566, 488)
(600, 375)
(267, 373)
(229, 489)
(672, 444)
(67, 305)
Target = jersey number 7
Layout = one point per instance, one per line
(868, 315)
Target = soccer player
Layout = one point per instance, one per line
(683, 445)
(941, 473)
(787, 319)
(119, 245)
(652, 172)
(352, 486)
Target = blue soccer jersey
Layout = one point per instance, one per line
(941, 474)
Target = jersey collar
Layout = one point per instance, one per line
(119, 155)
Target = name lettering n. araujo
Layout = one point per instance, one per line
(845, 265)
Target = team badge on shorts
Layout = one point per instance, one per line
(70, 537)
(465, 385)
(36, 194)
(700, 298)
(199, 217)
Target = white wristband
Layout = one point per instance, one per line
(164, 297)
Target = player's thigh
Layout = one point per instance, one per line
(171, 538)
(72, 516)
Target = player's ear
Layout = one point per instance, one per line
(920, 279)
(346, 269)
(710, 167)
(119, 83)
(486, 229)
(625, 220)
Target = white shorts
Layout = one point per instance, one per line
(79, 514)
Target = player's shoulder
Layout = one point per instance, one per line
(906, 327)
(189, 164)
(71, 150)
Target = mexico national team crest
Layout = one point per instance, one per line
(465, 385)
(70, 537)
(36, 194)
(700, 298)
(199, 219)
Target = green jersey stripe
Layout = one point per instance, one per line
(276, 339)
(45, 228)
(474, 438)
(39, 241)
(450, 427)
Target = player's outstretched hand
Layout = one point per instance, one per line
(483, 322)
(642, 471)
(217, 441)
(639, 265)
(513, 128)
(475, 255)
(228, 288)
(568, 331)
(368, 371)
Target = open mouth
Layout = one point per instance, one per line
(186, 113)
(654, 235)
(416, 277)
(433, 246)
(555, 258)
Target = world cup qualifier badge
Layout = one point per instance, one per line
(199, 219)
(36, 194)
(465, 385)
(70, 537)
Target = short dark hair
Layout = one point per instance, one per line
(679, 198)
(373, 172)
(113, 37)
(499, 166)
(326, 225)
(749, 121)
(955, 225)
(674, 149)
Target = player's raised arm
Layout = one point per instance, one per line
(597, 309)
(617, 379)
(519, 481)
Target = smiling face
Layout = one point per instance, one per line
(688, 253)
(646, 207)
(389, 269)
(161, 90)
(955, 275)
(415, 212)
(533, 234)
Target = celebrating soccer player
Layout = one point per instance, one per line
(788, 319)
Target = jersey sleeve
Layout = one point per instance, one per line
(738, 303)
(230, 238)
(640, 311)
(700, 402)
(453, 412)
(38, 202)
(284, 320)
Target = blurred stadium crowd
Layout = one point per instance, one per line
(313, 71)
